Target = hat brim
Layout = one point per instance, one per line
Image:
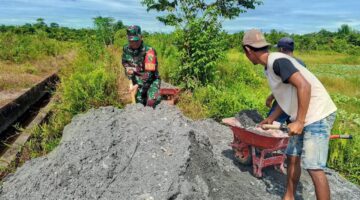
(259, 45)
(133, 38)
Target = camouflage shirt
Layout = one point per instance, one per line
(135, 59)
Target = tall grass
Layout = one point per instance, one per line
(238, 86)
(328, 57)
(21, 48)
(87, 83)
(342, 82)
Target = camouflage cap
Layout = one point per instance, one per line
(254, 38)
(134, 33)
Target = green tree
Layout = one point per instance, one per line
(40, 24)
(199, 33)
(118, 26)
(274, 36)
(105, 29)
(54, 25)
(28, 28)
(344, 30)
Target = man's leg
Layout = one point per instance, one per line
(321, 184)
(293, 176)
(153, 94)
(315, 152)
(293, 152)
(139, 97)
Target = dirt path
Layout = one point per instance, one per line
(15, 79)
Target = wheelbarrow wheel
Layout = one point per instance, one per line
(243, 155)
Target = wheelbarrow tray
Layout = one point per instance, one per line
(262, 141)
(266, 144)
(169, 91)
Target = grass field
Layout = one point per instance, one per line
(342, 82)
(15, 78)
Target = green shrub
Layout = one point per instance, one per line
(86, 83)
(344, 155)
(21, 48)
(93, 89)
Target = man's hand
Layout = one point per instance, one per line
(130, 71)
(133, 88)
(296, 128)
(269, 100)
(267, 120)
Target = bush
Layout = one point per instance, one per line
(344, 154)
(86, 90)
(87, 83)
(199, 53)
(22, 48)
(239, 86)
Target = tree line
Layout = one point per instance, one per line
(344, 40)
(104, 27)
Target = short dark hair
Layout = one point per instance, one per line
(265, 48)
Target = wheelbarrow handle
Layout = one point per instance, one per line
(341, 137)
(284, 128)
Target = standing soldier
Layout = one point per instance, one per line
(141, 67)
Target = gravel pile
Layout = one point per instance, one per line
(145, 154)
(249, 118)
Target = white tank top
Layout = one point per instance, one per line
(320, 105)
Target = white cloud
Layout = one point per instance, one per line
(293, 16)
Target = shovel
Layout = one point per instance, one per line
(284, 128)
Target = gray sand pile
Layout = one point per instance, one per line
(249, 118)
(141, 153)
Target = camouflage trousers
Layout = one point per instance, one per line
(148, 95)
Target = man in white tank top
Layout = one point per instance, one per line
(285, 45)
(312, 112)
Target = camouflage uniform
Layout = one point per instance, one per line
(148, 92)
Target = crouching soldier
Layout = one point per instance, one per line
(141, 67)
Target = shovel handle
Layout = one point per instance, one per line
(278, 127)
(270, 126)
(341, 137)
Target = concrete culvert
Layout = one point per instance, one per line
(140, 153)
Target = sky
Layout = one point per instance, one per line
(292, 16)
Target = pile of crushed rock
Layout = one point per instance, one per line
(145, 154)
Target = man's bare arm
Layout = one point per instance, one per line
(303, 88)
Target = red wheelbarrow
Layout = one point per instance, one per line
(170, 95)
(261, 150)
(248, 144)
